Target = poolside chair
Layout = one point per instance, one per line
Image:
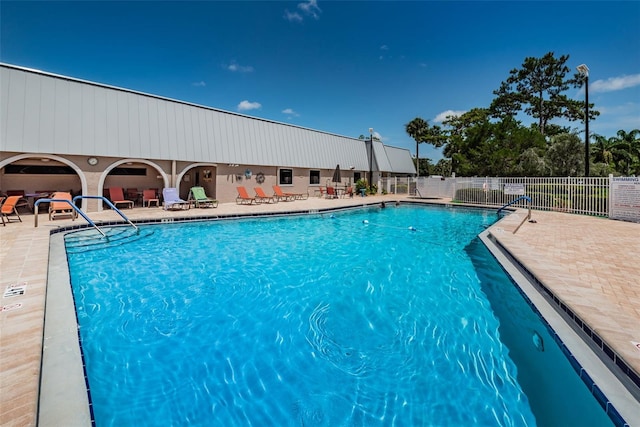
(150, 196)
(172, 200)
(57, 209)
(116, 194)
(261, 197)
(200, 198)
(331, 193)
(243, 197)
(280, 195)
(348, 192)
(22, 201)
(8, 209)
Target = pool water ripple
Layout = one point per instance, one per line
(323, 321)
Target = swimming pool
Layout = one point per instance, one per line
(343, 319)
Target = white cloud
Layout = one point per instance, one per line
(615, 83)
(308, 8)
(246, 106)
(237, 68)
(290, 112)
(384, 47)
(199, 84)
(292, 16)
(446, 114)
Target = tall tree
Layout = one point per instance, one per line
(417, 129)
(564, 155)
(538, 88)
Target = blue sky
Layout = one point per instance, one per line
(335, 66)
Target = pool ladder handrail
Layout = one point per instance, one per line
(528, 217)
(80, 212)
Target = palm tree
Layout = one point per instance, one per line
(417, 129)
(603, 149)
(628, 144)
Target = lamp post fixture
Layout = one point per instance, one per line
(584, 71)
(370, 157)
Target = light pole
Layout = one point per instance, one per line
(370, 157)
(584, 71)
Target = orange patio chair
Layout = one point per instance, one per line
(22, 201)
(331, 193)
(243, 197)
(9, 208)
(150, 196)
(261, 197)
(117, 197)
(281, 195)
(61, 208)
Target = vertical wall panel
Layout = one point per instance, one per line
(87, 119)
(74, 115)
(100, 122)
(61, 117)
(15, 116)
(144, 131)
(30, 117)
(154, 126)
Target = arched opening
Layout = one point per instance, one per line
(197, 174)
(133, 176)
(34, 176)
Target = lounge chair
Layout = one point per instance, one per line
(116, 194)
(261, 197)
(150, 196)
(281, 195)
(9, 208)
(198, 195)
(61, 208)
(172, 200)
(243, 197)
(22, 201)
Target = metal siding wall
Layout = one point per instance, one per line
(5, 75)
(30, 119)
(43, 113)
(123, 125)
(87, 114)
(203, 134)
(61, 114)
(132, 136)
(173, 139)
(74, 113)
(47, 124)
(100, 122)
(155, 142)
(144, 131)
(13, 118)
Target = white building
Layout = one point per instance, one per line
(61, 133)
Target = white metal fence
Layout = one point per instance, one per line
(587, 196)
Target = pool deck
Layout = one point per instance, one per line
(592, 265)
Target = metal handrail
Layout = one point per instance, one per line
(108, 202)
(80, 212)
(528, 217)
(74, 207)
(527, 198)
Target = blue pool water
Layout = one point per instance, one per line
(324, 320)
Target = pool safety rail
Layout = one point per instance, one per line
(528, 217)
(80, 212)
